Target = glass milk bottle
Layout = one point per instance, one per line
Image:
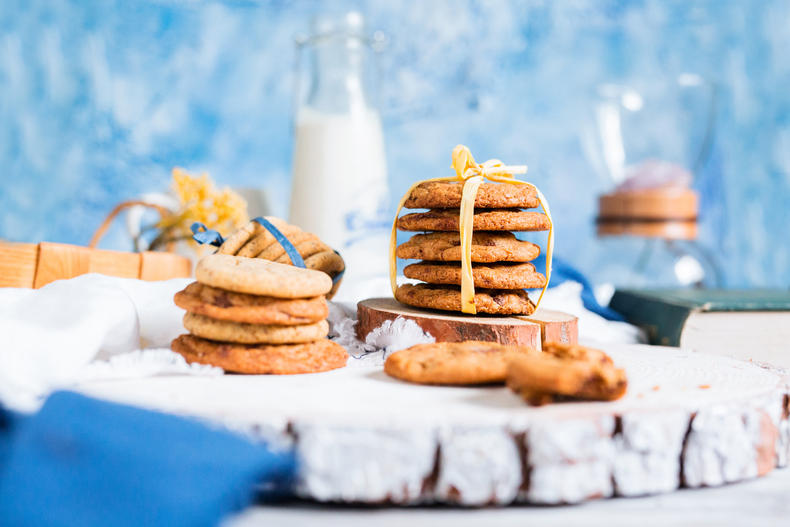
(339, 187)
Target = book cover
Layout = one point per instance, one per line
(662, 313)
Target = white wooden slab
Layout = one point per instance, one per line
(687, 420)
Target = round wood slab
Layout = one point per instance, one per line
(688, 420)
(544, 325)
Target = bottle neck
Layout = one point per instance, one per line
(337, 77)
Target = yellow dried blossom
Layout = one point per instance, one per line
(219, 209)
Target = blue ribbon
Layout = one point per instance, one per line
(205, 235)
(290, 250)
(339, 275)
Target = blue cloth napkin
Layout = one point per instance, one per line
(82, 461)
(562, 271)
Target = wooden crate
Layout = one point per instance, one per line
(36, 265)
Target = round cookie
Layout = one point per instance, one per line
(565, 371)
(448, 298)
(447, 194)
(496, 276)
(470, 362)
(256, 276)
(252, 309)
(327, 261)
(310, 357)
(487, 247)
(264, 239)
(306, 246)
(576, 352)
(236, 241)
(242, 333)
(484, 220)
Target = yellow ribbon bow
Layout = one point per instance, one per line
(472, 175)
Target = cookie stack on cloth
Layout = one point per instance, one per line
(255, 241)
(501, 266)
(249, 315)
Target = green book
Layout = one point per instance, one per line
(749, 324)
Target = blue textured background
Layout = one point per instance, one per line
(100, 98)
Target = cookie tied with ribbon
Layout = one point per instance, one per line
(274, 239)
(471, 217)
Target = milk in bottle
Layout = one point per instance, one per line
(339, 188)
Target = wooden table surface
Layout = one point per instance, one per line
(764, 502)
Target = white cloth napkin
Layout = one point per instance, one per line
(96, 327)
(89, 327)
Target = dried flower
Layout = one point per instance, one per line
(222, 210)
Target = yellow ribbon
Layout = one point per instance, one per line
(472, 175)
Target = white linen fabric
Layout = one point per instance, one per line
(89, 327)
(96, 327)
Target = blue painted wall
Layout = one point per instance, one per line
(100, 98)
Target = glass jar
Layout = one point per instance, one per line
(648, 142)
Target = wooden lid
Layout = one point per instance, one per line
(670, 230)
(650, 204)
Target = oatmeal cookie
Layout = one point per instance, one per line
(484, 220)
(470, 362)
(448, 298)
(284, 359)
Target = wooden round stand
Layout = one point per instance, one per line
(544, 325)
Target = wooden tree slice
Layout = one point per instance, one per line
(650, 204)
(687, 420)
(445, 327)
(555, 326)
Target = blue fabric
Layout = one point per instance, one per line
(339, 275)
(84, 462)
(562, 271)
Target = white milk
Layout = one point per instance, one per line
(339, 175)
(339, 187)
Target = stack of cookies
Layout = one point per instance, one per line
(254, 316)
(500, 262)
(254, 241)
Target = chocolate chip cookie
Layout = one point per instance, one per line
(566, 372)
(261, 277)
(491, 276)
(487, 247)
(484, 220)
(309, 357)
(242, 333)
(448, 298)
(470, 362)
(255, 241)
(252, 309)
(447, 194)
